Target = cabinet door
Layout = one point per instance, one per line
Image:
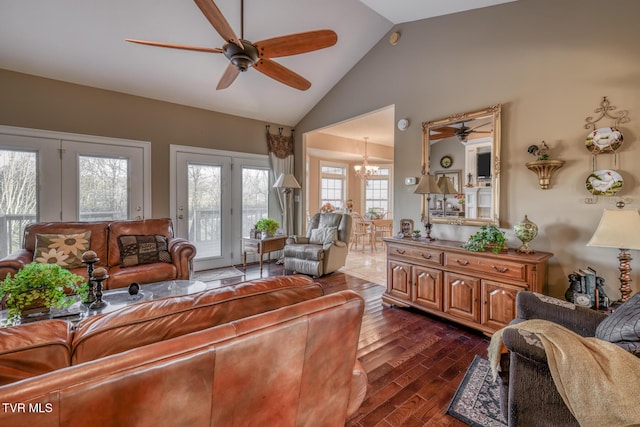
(498, 304)
(399, 279)
(427, 286)
(462, 296)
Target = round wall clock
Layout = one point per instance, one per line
(446, 161)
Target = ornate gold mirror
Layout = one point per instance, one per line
(464, 149)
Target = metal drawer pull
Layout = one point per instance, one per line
(465, 262)
(500, 270)
(400, 251)
(425, 256)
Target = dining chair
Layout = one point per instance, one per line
(361, 232)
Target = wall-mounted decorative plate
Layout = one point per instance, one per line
(604, 182)
(604, 140)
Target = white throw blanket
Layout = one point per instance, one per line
(598, 381)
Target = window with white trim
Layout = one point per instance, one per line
(377, 191)
(333, 184)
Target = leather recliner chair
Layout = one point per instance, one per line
(323, 249)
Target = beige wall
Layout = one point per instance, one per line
(549, 63)
(39, 103)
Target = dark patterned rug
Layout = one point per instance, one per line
(477, 400)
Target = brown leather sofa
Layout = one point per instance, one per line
(268, 352)
(104, 241)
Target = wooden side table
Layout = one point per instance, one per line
(261, 247)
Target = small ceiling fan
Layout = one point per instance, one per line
(464, 131)
(244, 54)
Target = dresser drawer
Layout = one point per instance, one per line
(424, 255)
(493, 267)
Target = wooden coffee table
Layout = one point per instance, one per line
(261, 247)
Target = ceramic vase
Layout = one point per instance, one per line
(526, 231)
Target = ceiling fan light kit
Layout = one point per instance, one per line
(243, 54)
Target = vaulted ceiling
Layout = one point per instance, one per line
(83, 42)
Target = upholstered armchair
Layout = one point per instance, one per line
(323, 249)
(529, 396)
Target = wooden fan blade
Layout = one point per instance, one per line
(217, 19)
(178, 46)
(282, 74)
(294, 44)
(228, 77)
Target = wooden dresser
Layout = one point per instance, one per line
(476, 289)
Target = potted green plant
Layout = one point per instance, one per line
(267, 227)
(416, 234)
(489, 237)
(38, 287)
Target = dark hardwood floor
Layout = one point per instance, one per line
(414, 361)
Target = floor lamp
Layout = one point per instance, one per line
(427, 185)
(288, 183)
(619, 229)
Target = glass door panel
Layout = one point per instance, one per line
(203, 207)
(102, 182)
(103, 188)
(18, 196)
(255, 197)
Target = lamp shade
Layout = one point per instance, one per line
(617, 229)
(427, 185)
(446, 185)
(286, 181)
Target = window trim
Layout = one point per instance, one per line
(344, 177)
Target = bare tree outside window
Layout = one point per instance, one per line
(255, 197)
(104, 188)
(205, 193)
(18, 196)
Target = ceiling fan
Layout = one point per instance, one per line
(464, 131)
(244, 54)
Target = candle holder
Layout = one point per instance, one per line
(90, 258)
(99, 275)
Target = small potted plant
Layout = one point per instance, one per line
(267, 227)
(416, 234)
(38, 287)
(489, 237)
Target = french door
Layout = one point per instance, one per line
(216, 197)
(54, 176)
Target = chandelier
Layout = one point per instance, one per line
(365, 170)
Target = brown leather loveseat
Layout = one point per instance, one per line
(268, 352)
(105, 238)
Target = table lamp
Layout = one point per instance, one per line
(288, 183)
(427, 185)
(446, 187)
(619, 229)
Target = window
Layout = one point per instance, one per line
(333, 180)
(377, 191)
(56, 176)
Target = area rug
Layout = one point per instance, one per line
(477, 400)
(218, 274)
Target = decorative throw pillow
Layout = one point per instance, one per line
(136, 249)
(320, 236)
(63, 249)
(622, 327)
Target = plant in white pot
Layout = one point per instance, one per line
(38, 287)
(267, 227)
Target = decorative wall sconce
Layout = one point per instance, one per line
(543, 167)
(545, 170)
